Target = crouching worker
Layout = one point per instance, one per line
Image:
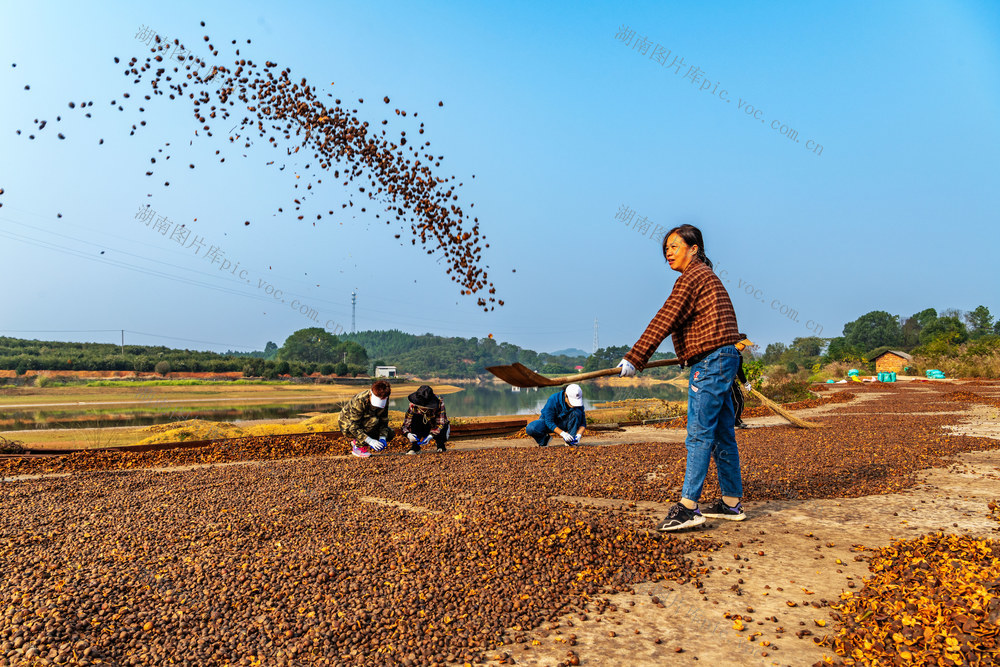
(741, 381)
(563, 415)
(365, 420)
(425, 420)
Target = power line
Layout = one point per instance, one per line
(58, 330)
(191, 340)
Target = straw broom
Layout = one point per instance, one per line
(781, 412)
(777, 409)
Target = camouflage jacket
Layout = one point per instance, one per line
(360, 418)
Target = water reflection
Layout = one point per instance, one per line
(44, 419)
(474, 401)
(478, 401)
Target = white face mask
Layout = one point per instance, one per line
(378, 402)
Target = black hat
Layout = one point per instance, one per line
(424, 397)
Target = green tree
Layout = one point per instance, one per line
(808, 346)
(773, 353)
(314, 344)
(925, 317)
(270, 350)
(605, 357)
(162, 367)
(911, 333)
(980, 322)
(282, 368)
(944, 329)
(253, 367)
(840, 350)
(874, 329)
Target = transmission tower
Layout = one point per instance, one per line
(354, 305)
(595, 337)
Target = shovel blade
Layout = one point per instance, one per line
(519, 375)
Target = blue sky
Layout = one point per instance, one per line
(562, 124)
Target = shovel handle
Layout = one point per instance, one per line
(615, 371)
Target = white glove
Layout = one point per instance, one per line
(373, 443)
(749, 387)
(427, 439)
(412, 438)
(382, 444)
(628, 370)
(577, 439)
(567, 437)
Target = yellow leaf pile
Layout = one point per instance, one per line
(933, 600)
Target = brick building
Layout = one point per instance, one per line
(892, 360)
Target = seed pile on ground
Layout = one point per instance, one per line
(330, 561)
(398, 173)
(390, 560)
(972, 397)
(876, 449)
(932, 600)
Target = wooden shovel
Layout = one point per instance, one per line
(520, 375)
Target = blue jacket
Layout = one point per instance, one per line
(556, 411)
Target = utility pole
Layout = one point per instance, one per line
(123, 342)
(595, 337)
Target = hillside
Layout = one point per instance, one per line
(430, 355)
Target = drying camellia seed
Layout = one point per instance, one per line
(385, 168)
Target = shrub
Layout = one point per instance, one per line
(282, 368)
(162, 367)
(340, 368)
(253, 368)
(787, 392)
(327, 369)
(754, 370)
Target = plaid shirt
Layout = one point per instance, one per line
(436, 415)
(698, 313)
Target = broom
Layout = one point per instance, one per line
(781, 412)
(777, 409)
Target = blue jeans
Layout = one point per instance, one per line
(710, 432)
(540, 432)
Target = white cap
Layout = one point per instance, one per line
(376, 401)
(574, 395)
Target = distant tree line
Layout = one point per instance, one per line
(305, 352)
(926, 333)
(429, 355)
